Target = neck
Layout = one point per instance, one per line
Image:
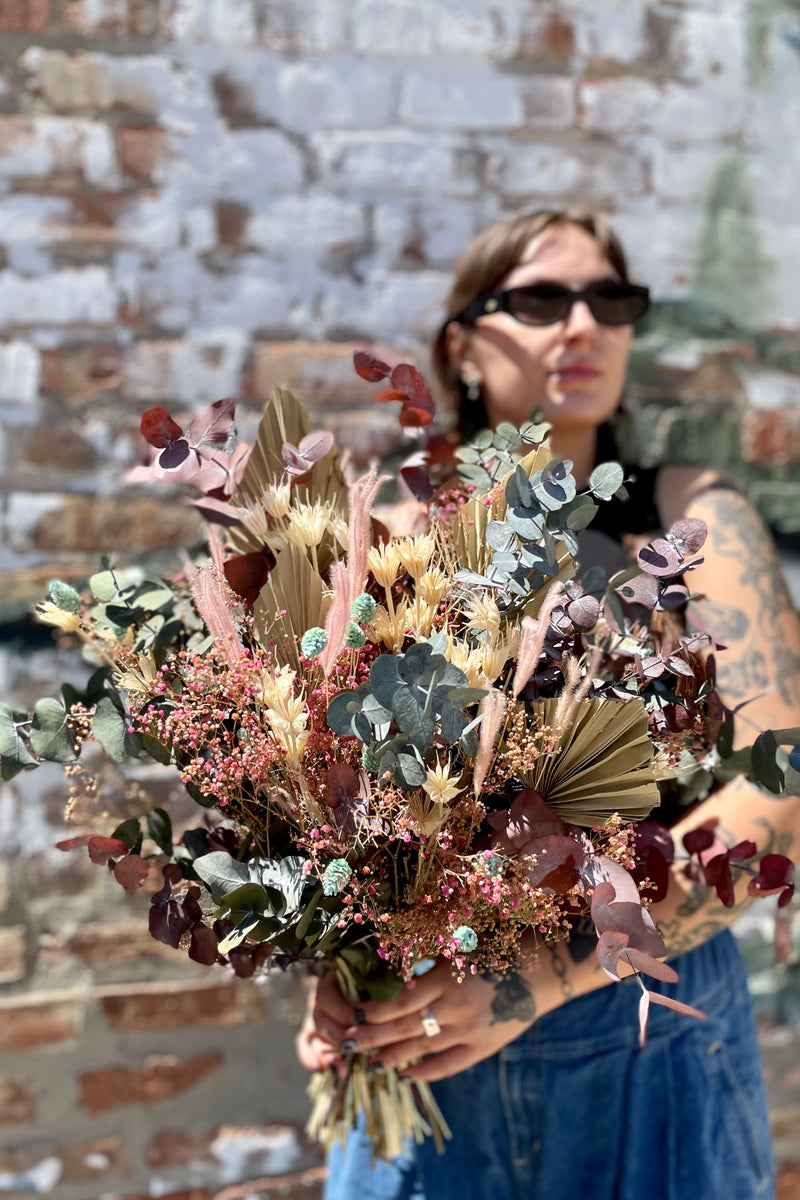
(578, 445)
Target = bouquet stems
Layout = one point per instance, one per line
(394, 1110)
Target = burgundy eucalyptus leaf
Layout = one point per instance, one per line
(610, 946)
(131, 872)
(243, 961)
(599, 868)
(527, 818)
(775, 874)
(660, 558)
(203, 946)
(418, 482)
(686, 1010)
(192, 909)
(719, 876)
(584, 611)
(698, 840)
(247, 573)
(370, 368)
(657, 835)
(688, 534)
(158, 428)
(174, 455)
(649, 965)
(219, 512)
(101, 849)
(167, 922)
(558, 862)
(742, 851)
(673, 597)
(213, 425)
(680, 666)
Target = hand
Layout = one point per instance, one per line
(476, 1018)
(319, 1035)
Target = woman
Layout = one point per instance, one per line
(538, 1072)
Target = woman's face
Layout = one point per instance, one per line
(573, 371)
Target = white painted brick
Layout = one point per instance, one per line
(24, 511)
(227, 22)
(152, 221)
(706, 46)
(194, 372)
(397, 162)
(336, 92)
(427, 233)
(460, 100)
(586, 173)
(237, 164)
(618, 104)
(260, 294)
(615, 29)
(317, 222)
(26, 219)
(20, 371)
(472, 28)
(683, 173)
(660, 241)
(35, 147)
(305, 26)
(72, 296)
(548, 102)
(390, 306)
(98, 156)
(781, 244)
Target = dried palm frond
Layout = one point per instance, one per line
(602, 761)
(290, 602)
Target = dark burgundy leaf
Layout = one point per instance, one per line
(657, 835)
(742, 851)
(158, 428)
(414, 416)
(192, 909)
(101, 849)
(218, 512)
(418, 482)
(718, 875)
(558, 860)
(406, 378)
(175, 454)
(526, 819)
(775, 871)
(203, 946)
(785, 896)
(370, 368)
(673, 597)
(243, 961)
(247, 573)
(698, 840)
(167, 922)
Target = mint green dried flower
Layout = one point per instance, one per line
(466, 938)
(64, 596)
(355, 637)
(363, 608)
(336, 876)
(313, 642)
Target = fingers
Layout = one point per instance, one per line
(372, 1037)
(440, 1066)
(330, 1013)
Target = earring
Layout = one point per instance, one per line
(473, 389)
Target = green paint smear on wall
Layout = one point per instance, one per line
(733, 271)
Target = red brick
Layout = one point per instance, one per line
(24, 16)
(82, 373)
(58, 447)
(142, 150)
(36, 1020)
(300, 1185)
(176, 1148)
(94, 523)
(186, 1194)
(232, 219)
(787, 1184)
(17, 1102)
(137, 18)
(321, 374)
(171, 1005)
(159, 1077)
(118, 941)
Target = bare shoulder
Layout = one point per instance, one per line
(679, 487)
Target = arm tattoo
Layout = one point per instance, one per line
(512, 1000)
(735, 534)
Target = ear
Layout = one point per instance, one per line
(458, 344)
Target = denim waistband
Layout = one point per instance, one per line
(709, 977)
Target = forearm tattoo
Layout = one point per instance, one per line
(512, 999)
(735, 533)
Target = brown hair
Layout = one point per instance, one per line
(479, 270)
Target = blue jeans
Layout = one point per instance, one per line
(574, 1110)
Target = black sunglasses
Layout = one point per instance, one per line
(610, 301)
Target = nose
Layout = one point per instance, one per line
(579, 322)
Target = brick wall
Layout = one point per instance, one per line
(202, 198)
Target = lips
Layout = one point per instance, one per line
(577, 371)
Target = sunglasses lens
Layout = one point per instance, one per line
(617, 303)
(541, 304)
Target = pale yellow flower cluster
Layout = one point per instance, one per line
(286, 713)
(441, 790)
(51, 614)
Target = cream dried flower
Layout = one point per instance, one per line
(51, 614)
(308, 524)
(439, 785)
(433, 586)
(415, 553)
(482, 615)
(384, 563)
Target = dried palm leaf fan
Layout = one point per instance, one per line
(469, 535)
(602, 761)
(284, 420)
(292, 600)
